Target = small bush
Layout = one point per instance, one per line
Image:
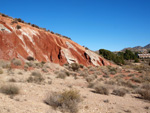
(83, 74)
(30, 58)
(101, 89)
(135, 79)
(18, 27)
(91, 78)
(145, 94)
(36, 73)
(66, 101)
(74, 66)
(16, 62)
(35, 79)
(1, 71)
(10, 89)
(44, 69)
(119, 92)
(29, 64)
(110, 82)
(12, 80)
(62, 75)
(106, 76)
(81, 66)
(131, 75)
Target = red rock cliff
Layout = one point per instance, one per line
(42, 45)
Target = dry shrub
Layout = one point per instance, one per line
(16, 62)
(1, 71)
(110, 82)
(63, 74)
(44, 69)
(145, 94)
(66, 101)
(10, 89)
(131, 75)
(83, 74)
(105, 70)
(75, 66)
(101, 89)
(112, 70)
(129, 84)
(36, 73)
(136, 79)
(119, 92)
(35, 77)
(97, 73)
(4, 64)
(30, 64)
(91, 68)
(106, 76)
(90, 78)
(12, 80)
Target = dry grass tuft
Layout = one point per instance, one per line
(16, 62)
(1, 71)
(119, 92)
(10, 89)
(66, 101)
(101, 89)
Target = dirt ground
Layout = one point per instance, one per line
(32, 95)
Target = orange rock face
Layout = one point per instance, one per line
(42, 45)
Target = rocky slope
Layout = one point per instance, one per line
(144, 49)
(26, 40)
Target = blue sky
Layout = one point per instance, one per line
(96, 24)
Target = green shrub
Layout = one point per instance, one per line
(10, 89)
(101, 89)
(66, 101)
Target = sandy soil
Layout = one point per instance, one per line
(32, 95)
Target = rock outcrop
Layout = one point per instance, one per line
(21, 42)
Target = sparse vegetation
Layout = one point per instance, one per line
(10, 89)
(66, 101)
(62, 75)
(16, 62)
(36, 73)
(101, 89)
(1, 71)
(119, 92)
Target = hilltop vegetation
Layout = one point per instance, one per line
(120, 57)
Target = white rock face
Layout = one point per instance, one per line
(3, 28)
(94, 57)
(69, 57)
